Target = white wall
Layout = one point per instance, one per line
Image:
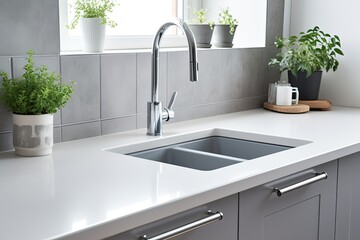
(341, 18)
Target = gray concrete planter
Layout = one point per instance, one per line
(222, 36)
(202, 33)
(33, 134)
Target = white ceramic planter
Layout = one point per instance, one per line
(33, 134)
(92, 35)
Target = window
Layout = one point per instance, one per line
(138, 21)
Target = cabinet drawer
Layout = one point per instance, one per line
(306, 212)
(226, 228)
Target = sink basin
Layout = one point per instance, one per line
(209, 153)
(208, 150)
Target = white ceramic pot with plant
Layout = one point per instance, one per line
(202, 29)
(92, 15)
(33, 98)
(224, 31)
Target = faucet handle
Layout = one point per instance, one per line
(168, 113)
(172, 100)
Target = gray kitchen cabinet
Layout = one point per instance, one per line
(306, 213)
(224, 229)
(348, 198)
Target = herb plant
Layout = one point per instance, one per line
(226, 18)
(93, 9)
(36, 92)
(201, 18)
(309, 52)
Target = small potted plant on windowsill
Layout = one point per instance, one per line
(224, 31)
(202, 29)
(305, 57)
(33, 98)
(92, 15)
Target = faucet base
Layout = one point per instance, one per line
(154, 118)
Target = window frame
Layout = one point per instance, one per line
(120, 42)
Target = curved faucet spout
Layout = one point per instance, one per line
(155, 55)
(155, 112)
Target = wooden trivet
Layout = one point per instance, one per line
(298, 108)
(317, 104)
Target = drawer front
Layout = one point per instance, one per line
(226, 228)
(305, 212)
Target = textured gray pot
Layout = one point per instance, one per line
(33, 134)
(202, 33)
(222, 36)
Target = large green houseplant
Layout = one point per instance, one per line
(224, 31)
(202, 29)
(93, 18)
(305, 57)
(33, 98)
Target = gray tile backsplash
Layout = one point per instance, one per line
(30, 24)
(85, 102)
(118, 85)
(112, 90)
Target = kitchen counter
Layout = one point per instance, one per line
(84, 192)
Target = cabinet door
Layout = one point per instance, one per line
(348, 199)
(225, 229)
(307, 213)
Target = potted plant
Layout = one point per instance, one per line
(33, 98)
(202, 29)
(224, 31)
(92, 15)
(305, 57)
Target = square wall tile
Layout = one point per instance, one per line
(30, 24)
(78, 131)
(143, 88)
(206, 89)
(118, 125)
(179, 80)
(118, 85)
(57, 134)
(271, 74)
(6, 141)
(274, 20)
(253, 79)
(84, 104)
(51, 62)
(141, 121)
(253, 102)
(231, 74)
(5, 115)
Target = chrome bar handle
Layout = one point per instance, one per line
(188, 227)
(318, 177)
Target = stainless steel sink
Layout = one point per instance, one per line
(209, 153)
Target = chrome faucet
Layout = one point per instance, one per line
(155, 113)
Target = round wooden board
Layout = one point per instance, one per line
(298, 108)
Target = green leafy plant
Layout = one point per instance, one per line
(93, 9)
(201, 18)
(37, 91)
(309, 52)
(226, 18)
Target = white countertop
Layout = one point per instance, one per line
(83, 192)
